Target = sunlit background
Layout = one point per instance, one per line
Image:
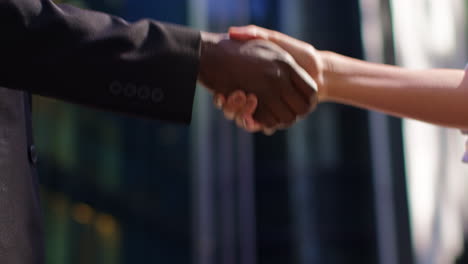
(343, 186)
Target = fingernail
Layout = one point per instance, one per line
(236, 29)
(269, 132)
(229, 116)
(219, 103)
(244, 123)
(242, 30)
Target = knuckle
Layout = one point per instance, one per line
(303, 110)
(313, 103)
(275, 34)
(272, 69)
(229, 115)
(308, 106)
(311, 106)
(277, 76)
(287, 61)
(287, 125)
(238, 93)
(290, 124)
(291, 120)
(287, 118)
(270, 124)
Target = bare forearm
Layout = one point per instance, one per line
(438, 96)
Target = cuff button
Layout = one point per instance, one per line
(115, 88)
(157, 95)
(144, 93)
(130, 90)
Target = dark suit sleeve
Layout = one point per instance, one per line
(145, 68)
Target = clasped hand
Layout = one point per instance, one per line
(255, 81)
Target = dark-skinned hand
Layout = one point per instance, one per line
(283, 91)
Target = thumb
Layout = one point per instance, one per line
(295, 47)
(247, 33)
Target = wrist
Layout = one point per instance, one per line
(326, 73)
(208, 50)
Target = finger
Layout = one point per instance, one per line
(254, 32)
(305, 85)
(245, 118)
(240, 122)
(295, 47)
(265, 117)
(293, 98)
(219, 100)
(251, 125)
(234, 104)
(280, 111)
(247, 33)
(283, 113)
(248, 108)
(247, 111)
(296, 102)
(276, 101)
(269, 131)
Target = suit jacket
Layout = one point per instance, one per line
(146, 69)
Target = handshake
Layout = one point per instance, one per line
(258, 77)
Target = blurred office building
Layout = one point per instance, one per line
(343, 186)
